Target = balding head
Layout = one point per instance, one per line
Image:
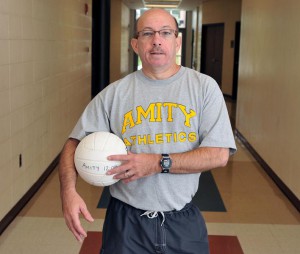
(160, 14)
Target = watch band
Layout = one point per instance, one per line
(165, 163)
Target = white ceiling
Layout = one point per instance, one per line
(183, 4)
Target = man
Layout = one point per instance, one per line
(175, 125)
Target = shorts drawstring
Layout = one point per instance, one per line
(154, 214)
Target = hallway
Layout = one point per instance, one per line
(45, 66)
(257, 213)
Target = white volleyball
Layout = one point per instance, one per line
(91, 157)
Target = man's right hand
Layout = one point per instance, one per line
(73, 205)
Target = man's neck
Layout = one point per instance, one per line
(159, 74)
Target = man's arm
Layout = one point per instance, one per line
(199, 160)
(72, 204)
(135, 166)
(67, 171)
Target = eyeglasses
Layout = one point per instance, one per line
(164, 33)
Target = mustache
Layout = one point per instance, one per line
(156, 49)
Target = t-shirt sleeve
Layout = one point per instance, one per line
(215, 129)
(94, 118)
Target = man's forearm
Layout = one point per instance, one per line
(67, 171)
(136, 166)
(198, 160)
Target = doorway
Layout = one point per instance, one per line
(100, 45)
(236, 60)
(212, 51)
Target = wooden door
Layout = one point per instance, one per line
(212, 51)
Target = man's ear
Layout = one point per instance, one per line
(178, 43)
(134, 45)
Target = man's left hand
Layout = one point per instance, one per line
(135, 166)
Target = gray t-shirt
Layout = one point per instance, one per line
(174, 115)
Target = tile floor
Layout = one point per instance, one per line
(261, 217)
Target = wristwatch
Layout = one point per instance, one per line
(165, 163)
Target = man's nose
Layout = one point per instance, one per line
(156, 39)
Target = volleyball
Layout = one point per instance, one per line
(91, 157)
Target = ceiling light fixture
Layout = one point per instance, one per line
(161, 3)
(160, 6)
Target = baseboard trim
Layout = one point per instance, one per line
(281, 185)
(12, 214)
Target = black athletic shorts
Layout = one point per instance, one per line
(128, 230)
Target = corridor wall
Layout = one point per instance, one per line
(268, 101)
(45, 77)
